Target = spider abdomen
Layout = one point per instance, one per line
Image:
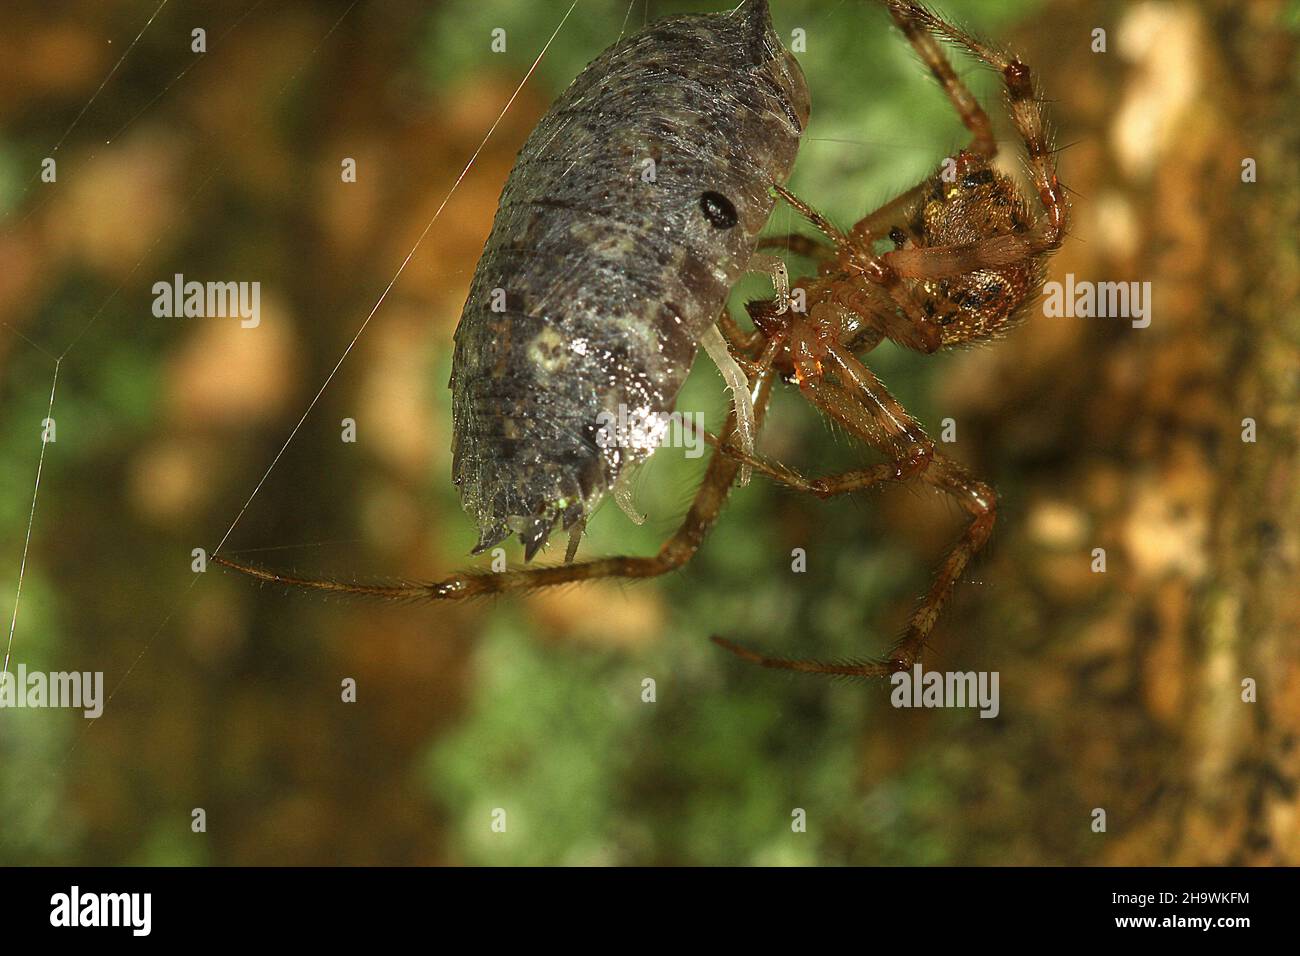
(973, 203)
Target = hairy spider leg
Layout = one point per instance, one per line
(847, 391)
(675, 552)
(973, 117)
(1025, 107)
(916, 23)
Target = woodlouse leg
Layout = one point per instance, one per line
(975, 497)
(775, 267)
(751, 343)
(741, 401)
(622, 494)
(575, 539)
(676, 551)
(719, 342)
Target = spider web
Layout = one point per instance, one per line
(58, 359)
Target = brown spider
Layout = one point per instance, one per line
(968, 260)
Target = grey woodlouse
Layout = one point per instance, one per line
(632, 210)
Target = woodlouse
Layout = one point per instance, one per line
(633, 208)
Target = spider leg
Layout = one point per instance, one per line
(916, 24)
(775, 267)
(742, 342)
(1024, 105)
(827, 486)
(745, 430)
(942, 262)
(676, 551)
(799, 244)
(850, 393)
(975, 497)
(823, 225)
(880, 222)
(725, 338)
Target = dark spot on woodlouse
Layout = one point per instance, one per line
(718, 209)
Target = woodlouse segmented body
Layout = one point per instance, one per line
(632, 210)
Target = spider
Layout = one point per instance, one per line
(967, 262)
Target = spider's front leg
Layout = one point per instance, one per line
(833, 379)
(705, 509)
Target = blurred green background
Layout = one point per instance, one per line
(1118, 690)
